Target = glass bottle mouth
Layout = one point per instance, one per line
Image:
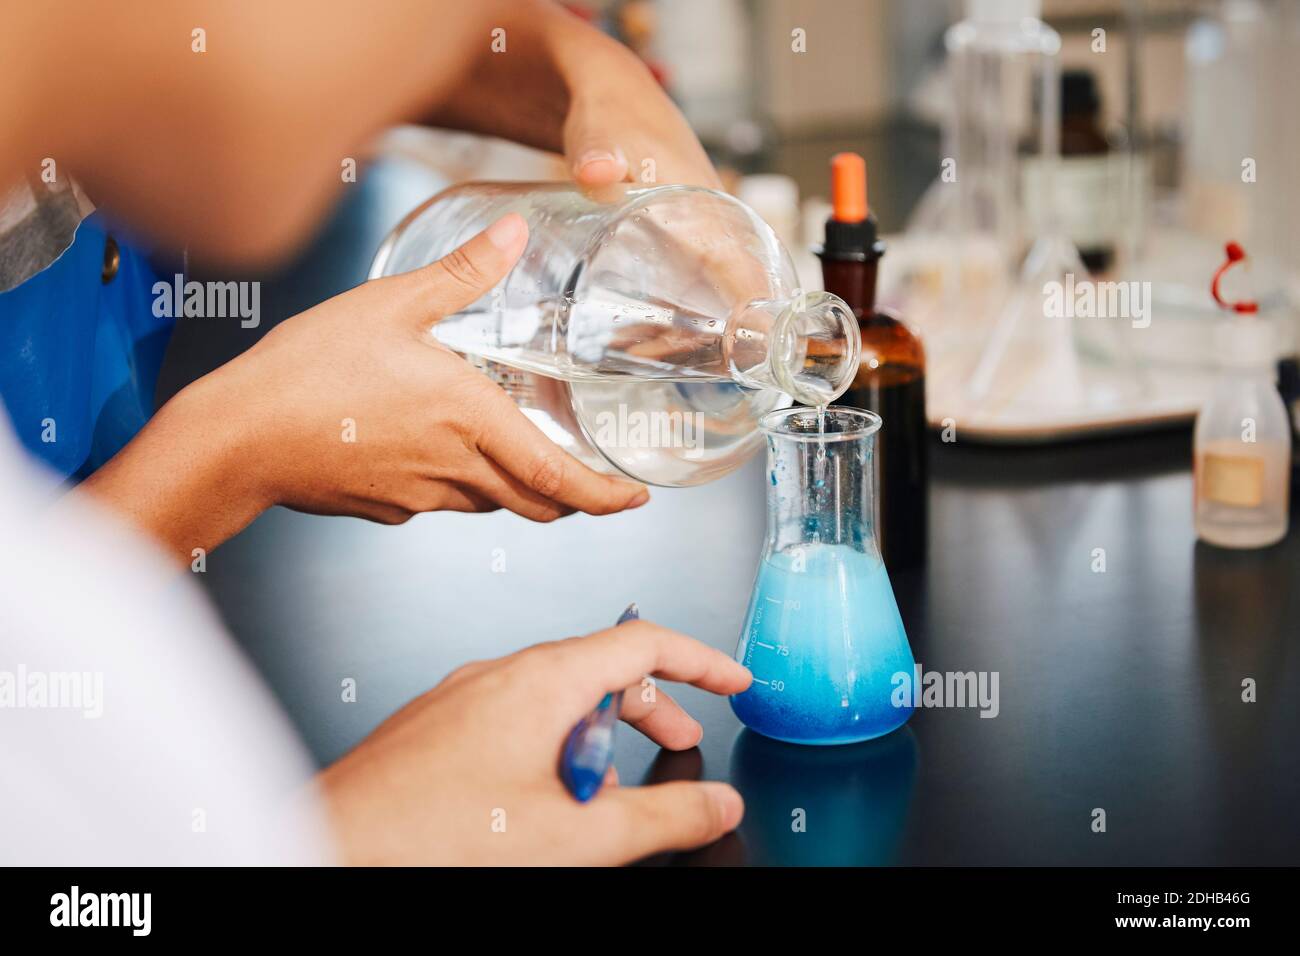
(816, 347)
(841, 423)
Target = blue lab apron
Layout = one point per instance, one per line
(80, 349)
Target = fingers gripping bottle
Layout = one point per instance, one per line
(644, 330)
(823, 636)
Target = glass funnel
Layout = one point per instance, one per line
(823, 636)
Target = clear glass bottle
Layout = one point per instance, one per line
(823, 636)
(645, 330)
(1243, 442)
(1003, 61)
(1003, 141)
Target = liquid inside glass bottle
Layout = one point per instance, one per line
(644, 330)
(823, 636)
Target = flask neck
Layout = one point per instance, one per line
(821, 487)
(807, 347)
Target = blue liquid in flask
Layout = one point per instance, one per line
(824, 640)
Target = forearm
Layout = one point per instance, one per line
(235, 150)
(189, 479)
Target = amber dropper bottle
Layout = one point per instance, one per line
(891, 376)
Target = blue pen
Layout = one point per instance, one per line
(589, 751)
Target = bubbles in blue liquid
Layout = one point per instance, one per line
(824, 640)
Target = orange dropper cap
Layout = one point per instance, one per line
(848, 187)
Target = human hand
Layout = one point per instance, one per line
(562, 85)
(432, 433)
(468, 772)
(353, 408)
(620, 124)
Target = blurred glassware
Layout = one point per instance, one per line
(775, 197)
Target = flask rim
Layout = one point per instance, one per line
(776, 424)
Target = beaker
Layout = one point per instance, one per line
(645, 330)
(823, 636)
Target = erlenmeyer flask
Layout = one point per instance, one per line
(823, 636)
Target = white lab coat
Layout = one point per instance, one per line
(190, 760)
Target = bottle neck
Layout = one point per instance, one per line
(1081, 122)
(806, 347)
(853, 280)
(1261, 372)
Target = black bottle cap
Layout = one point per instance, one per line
(852, 240)
(1079, 92)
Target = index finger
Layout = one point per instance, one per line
(542, 467)
(615, 658)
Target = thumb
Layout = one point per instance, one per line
(594, 158)
(469, 272)
(599, 165)
(669, 816)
